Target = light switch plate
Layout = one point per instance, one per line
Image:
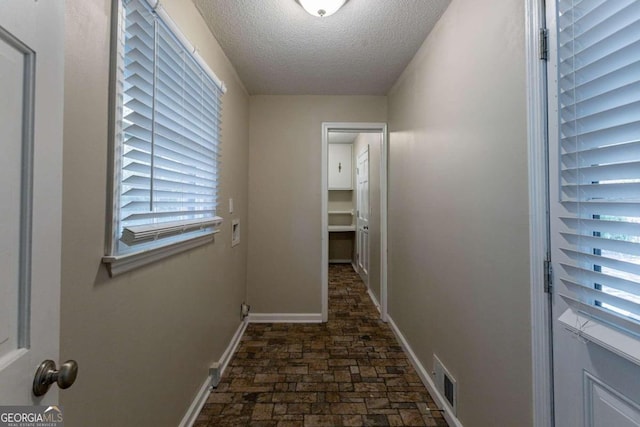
(230, 205)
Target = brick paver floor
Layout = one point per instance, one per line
(349, 371)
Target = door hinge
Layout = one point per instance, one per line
(548, 276)
(543, 44)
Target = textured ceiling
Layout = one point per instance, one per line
(277, 48)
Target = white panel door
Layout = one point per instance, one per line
(340, 166)
(363, 212)
(31, 104)
(594, 187)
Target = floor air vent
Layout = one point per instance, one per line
(446, 384)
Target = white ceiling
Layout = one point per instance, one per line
(277, 48)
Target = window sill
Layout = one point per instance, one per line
(599, 332)
(121, 264)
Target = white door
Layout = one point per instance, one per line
(594, 180)
(31, 104)
(363, 211)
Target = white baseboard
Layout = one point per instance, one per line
(285, 318)
(196, 406)
(232, 347)
(425, 376)
(374, 299)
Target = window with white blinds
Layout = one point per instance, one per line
(599, 105)
(167, 135)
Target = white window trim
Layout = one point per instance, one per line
(585, 325)
(119, 264)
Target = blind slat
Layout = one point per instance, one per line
(605, 154)
(588, 278)
(603, 25)
(589, 293)
(604, 226)
(138, 181)
(614, 80)
(194, 129)
(174, 89)
(624, 191)
(182, 177)
(611, 208)
(587, 72)
(580, 54)
(590, 258)
(608, 101)
(170, 214)
(168, 164)
(172, 140)
(619, 115)
(164, 196)
(590, 174)
(585, 238)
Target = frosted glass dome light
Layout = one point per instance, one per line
(322, 8)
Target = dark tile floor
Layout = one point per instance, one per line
(349, 371)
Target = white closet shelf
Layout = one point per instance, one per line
(341, 212)
(339, 228)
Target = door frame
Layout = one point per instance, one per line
(537, 144)
(324, 191)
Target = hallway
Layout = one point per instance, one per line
(349, 371)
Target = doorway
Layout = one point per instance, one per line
(374, 137)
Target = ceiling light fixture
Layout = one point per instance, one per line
(322, 8)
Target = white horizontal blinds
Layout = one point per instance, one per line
(171, 126)
(599, 81)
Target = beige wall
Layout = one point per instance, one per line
(283, 274)
(458, 217)
(374, 141)
(144, 340)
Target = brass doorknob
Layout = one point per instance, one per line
(47, 374)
